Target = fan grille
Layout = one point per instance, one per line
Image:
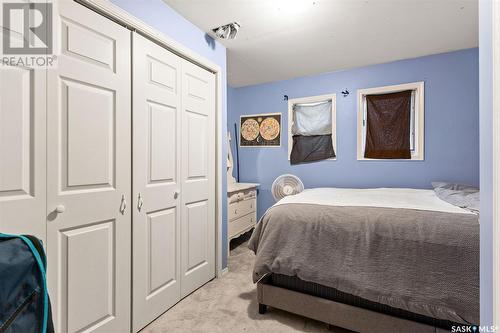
(286, 185)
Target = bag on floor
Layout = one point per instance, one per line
(24, 300)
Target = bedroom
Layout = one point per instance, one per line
(155, 145)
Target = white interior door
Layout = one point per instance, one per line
(197, 177)
(156, 168)
(22, 150)
(88, 173)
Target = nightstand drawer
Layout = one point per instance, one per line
(241, 208)
(236, 196)
(241, 224)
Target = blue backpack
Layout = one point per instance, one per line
(24, 300)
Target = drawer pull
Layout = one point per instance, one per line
(236, 211)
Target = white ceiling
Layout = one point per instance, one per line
(283, 39)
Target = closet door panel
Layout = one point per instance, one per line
(156, 165)
(90, 274)
(198, 177)
(22, 151)
(88, 113)
(88, 174)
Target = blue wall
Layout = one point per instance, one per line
(486, 129)
(163, 18)
(451, 126)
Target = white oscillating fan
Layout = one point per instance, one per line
(286, 185)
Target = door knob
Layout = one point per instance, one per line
(60, 209)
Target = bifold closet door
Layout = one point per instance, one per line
(22, 150)
(173, 179)
(156, 180)
(88, 173)
(198, 137)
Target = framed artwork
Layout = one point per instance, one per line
(261, 130)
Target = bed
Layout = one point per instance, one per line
(370, 260)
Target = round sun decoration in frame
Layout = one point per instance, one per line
(269, 128)
(250, 129)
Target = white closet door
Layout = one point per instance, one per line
(22, 150)
(156, 168)
(88, 162)
(197, 177)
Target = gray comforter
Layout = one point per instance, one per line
(421, 261)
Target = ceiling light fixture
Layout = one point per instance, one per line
(227, 31)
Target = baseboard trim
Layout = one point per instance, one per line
(223, 272)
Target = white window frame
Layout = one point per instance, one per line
(417, 119)
(313, 99)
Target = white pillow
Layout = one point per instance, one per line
(464, 196)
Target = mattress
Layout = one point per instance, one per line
(315, 289)
(401, 198)
(400, 247)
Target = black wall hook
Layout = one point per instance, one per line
(345, 93)
(285, 97)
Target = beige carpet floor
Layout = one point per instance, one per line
(229, 304)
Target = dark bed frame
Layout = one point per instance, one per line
(336, 313)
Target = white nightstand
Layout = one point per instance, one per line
(241, 208)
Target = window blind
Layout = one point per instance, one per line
(312, 132)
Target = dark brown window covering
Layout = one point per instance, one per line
(388, 125)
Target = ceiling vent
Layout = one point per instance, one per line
(227, 31)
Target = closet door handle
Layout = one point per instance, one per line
(123, 205)
(176, 194)
(140, 202)
(60, 209)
